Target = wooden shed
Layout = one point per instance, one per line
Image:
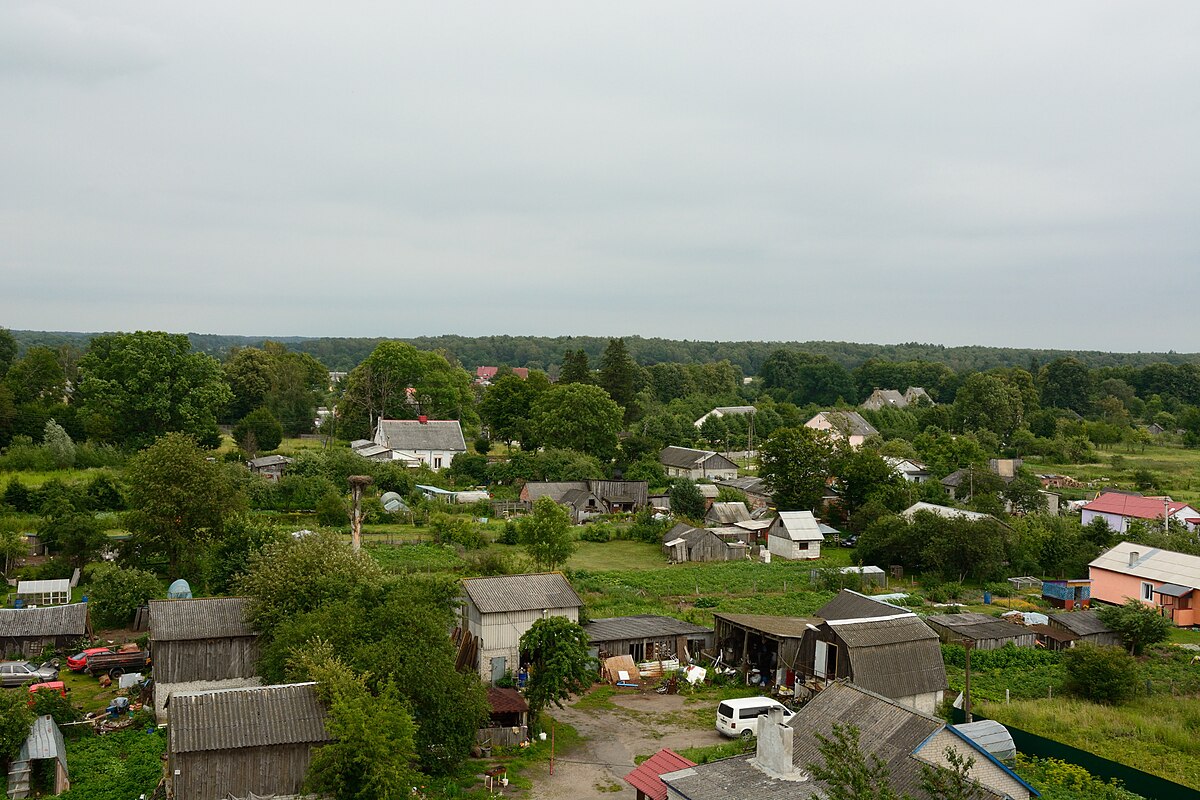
(206, 639)
(685, 543)
(29, 631)
(231, 742)
(983, 631)
(770, 645)
(648, 637)
(1085, 626)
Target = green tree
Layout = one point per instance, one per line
(619, 374)
(804, 378)
(178, 500)
(262, 425)
(37, 377)
(575, 368)
(134, 387)
(686, 500)
(546, 534)
(578, 417)
(559, 663)
(847, 773)
(12, 546)
(954, 783)
(986, 402)
(795, 462)
(248, 373)
(1066, 383)
(1024, 493)
(507, 406)
(864, 476)
(115, 593)
(372, 755)
(1139, 625)
(77, 536)
(15, 720)
(59, 445)
(1106, 675)
(8, 350)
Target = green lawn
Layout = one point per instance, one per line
(1176, 470)
(617, 555)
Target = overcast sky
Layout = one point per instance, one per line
(1019, 174)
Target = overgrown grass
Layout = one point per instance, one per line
(1155, 734)
(703, 755)
(1175, 468)
(400, 559)
(116, 766)
(619, 555)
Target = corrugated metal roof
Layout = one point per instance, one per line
(260, 716)
(201, 618)
(1136, 506)
(688, 458)
(944, 511)
(784, 627)
(885, 631)
(849, 604)
(728, 513)
(641, 626)
(45, 741)
(798, 526)
(68, 620)
(412, 434)
(1080, 623)
(991, 736)
(552, 489)
(645, 778)
(978, 626)
(847, 423)
(502, 593)
(1164, 566)
(267, 461)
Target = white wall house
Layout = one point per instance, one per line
(685, 462)
(499, 610)
(795, 535)
(848, 425)
(1118, 510)
(435, 442)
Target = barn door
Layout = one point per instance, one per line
(499, 667)
(819, 658)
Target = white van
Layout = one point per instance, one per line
(740, 717)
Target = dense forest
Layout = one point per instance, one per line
(545, 353)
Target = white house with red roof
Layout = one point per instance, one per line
(1118, 510)
(485, 375)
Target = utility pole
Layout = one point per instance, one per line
(357, 482)
(967, 645)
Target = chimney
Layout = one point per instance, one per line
(423, 419)
(774, 754)
(1133, 557)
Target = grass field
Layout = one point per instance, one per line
(1176, 470)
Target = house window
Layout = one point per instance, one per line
(437, 462)
(1147, 592)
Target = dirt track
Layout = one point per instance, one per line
(641, 724)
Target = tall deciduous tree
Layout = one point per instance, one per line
(559, 663)
(1066, 383)
(8, 350)
(546, 534)
(577, 417)
(262, 425)
(686, 500)
(134, 387)
(986, 402)
(37, 377)
(178, 500)
(507, 405)
(795, 462)
(805, 378)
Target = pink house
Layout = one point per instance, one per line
(1118, 510)
(1164, 579)
(848, 425)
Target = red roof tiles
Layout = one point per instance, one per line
(1126, 505)
(645, 778)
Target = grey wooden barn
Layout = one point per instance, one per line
(982, 631)
(29, 631)
(685, 543)
(206, 639)
(231, 742)
(1085, 626)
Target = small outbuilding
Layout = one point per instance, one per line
(684, 543)
(234, 742)
(1068, 594)
(984, 632)
(30, 631)
(1086, 626)
(44, 593)
(648, 637)
(45, 742)
(508, 719)
(762, 645)
(646, 778)
(795, 535)
(270, 467)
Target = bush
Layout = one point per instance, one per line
(115, 593)
(999, 589)
(596, 532)
(509, 534)
(331, 510)
(1106, 675)
(267, 432)
(49, 701)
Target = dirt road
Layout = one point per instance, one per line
(641, 724)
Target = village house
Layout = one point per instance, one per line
(590, 498)
(497, 611)
(984, 632)
(725, 411)
(270, 467)
(908, 469)
(946, 512)
(891, 398)
(1161, 578)
(905, 741)
(29, 631)
(434, 442)
(648, 637)
(234, 742)
(684, 462)
(843, 425)
(201, 644)
(795, 535)
(1119, 509)
(881, 647)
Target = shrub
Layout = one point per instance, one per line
(999, 589)
(706, 602)
(267, 432)
(1106, 675)
(596, 532)
(509, 534)
(115, 593)
(331, 510)
(49, 701)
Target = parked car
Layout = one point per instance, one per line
(15, 673)
(739, 717)
(51, 686)
(78, 662)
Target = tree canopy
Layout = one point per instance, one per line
(559, 663)
(577, 417)
(546, 534)
(795, 462)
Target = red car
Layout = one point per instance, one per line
(53, 686)
(78, 662)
